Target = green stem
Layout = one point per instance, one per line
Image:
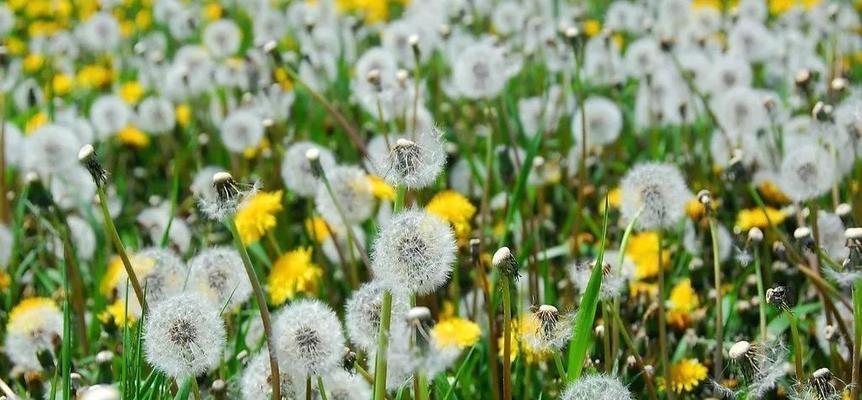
(559, 362)
(719, 317)
(382, 347)
(631, 344)
(507, 339)
(761, 294)
(321, 387)
(196, 390)
(797, 345)
(662, 326)
(261, 305)
(857, 339)
(121, 249)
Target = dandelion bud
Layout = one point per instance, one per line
(313, 157)
(755, 235)
(87, 157)
(475, 255)
(99, 392)
(854, 244)
(413, 41)
(600, 330)
(778, 297)
(373, 77)
(804, 237)
(839, 84)
(506, 263)
(597, 387)
(802, 79)
(348, 363)
(219, 389)
(821, 381)
(822, 111)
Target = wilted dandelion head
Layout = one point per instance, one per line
(351, 191)
(230, 195)
(414, 252)
(308, 333)
(87, 157)
(655, 194)
(184, 335)
(505, 261)
(551, 330)
(296, 169)
(761, 365)
(807, 172)
(362, 314)
(35, 329)
(597, 387)
(414, 164)
(222, 37)
(218, 274)
(256, 380)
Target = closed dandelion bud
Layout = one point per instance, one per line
(373, 77)
(87, 157)
(843, 210)
(414, 252)
(414, 165)
(309, 334)
(312, 155)
(475, 254)
(401, 76)
(804, 237)
(505, 261)
(597, 387)
(755, 235)
(822, 112)
(821, 381)
(184, 336)
(413, 41)
(420, 322)
(778, 297)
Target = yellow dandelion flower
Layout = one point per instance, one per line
(642, 288)
(317, 229)
(116, 313)
(257, 215)
(453, 208)
(61, 84)
(93, 76)
(143, 20)
(448, 310)
(112, 276)
(5, 280)
(28, 314)
(642, 248)
(15, 46)
(525, 323)
(33, 62)
(772, 193)
(184, 114)
(35, 122)
(133, 137)
(456, 332)
(131, 92)
(760, 218)
(694, 209)
(592, 27)
(380, 189)
(293, 273)
(685, 376)
(212, 11)
(683, 300)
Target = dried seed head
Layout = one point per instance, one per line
(475, 254)
(418, 314)
(821, 381)
(822, 111)
(548, 316)
(229, 196)
(87, 157)
(803, 235)
(705, 198)
(755, 235)
(839, 84)
(506, 263)
(778, 297)
(843, 210)
(313, 157)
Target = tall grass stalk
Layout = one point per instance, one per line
(120, 248)
(719, 316)
(662, 325)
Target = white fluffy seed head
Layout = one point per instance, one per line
(414, 164)
(414, 252)
(297, 171)
(351, 191)
(184, 335)
(597, 387)
(362, 314)
(309, 333)
(256, 381)
(853, 233)
(655, 194)
(807, 171)
(218, 273)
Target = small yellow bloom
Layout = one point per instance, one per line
(592, 27)
(685, 376)
(212, 11)
(293, 273)
(380, 189)
(116, 313)
(61, 85)
(317, 229)
(252, 152)
(283, 79)
(257, 215)
(93, 76)
(613, 200)
(642, 248)
(184, 114)
(131, 92)
(642, 288)
(143, 20)
(27, 314)
(683, 300)
(760, 218)
(134, 137)
(772, 193)
(15, 46)
(695, 209)
(112, 276)
(35, 122)
(453, 208)
(456, 332)
(33, 62)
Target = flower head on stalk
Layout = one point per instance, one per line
(230, 196)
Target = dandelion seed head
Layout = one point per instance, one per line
(222, 38)
(109, 114)
(414, 165)
(50, 150)
(807, 172)
(154, 220)
(479, 71)
(549, 330)
(156, 115)
(241, 130)
(218, 273)
(35, 325)
(614, 279)
(297, 171)
(351, 191)
(604, 121)
(362, 314)
(184, 335)
(309, 333)
(414, 252)
(654, 192)
(342, 385)
(161, 273)
(597, 387)
(256, 380)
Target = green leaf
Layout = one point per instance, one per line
(185, 389)
(580, 343)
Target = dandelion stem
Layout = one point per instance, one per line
(308, 395)
(196, 390)
(321, 387)
(382, 346)
(121, 249)
(365, 375)
(352, 243)
(797, 345)
(857, 339)
(629, 342)
(719, 317)
(662, 328)
(261, 305)
(559, 362)
(507, 339)
(761, 294)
